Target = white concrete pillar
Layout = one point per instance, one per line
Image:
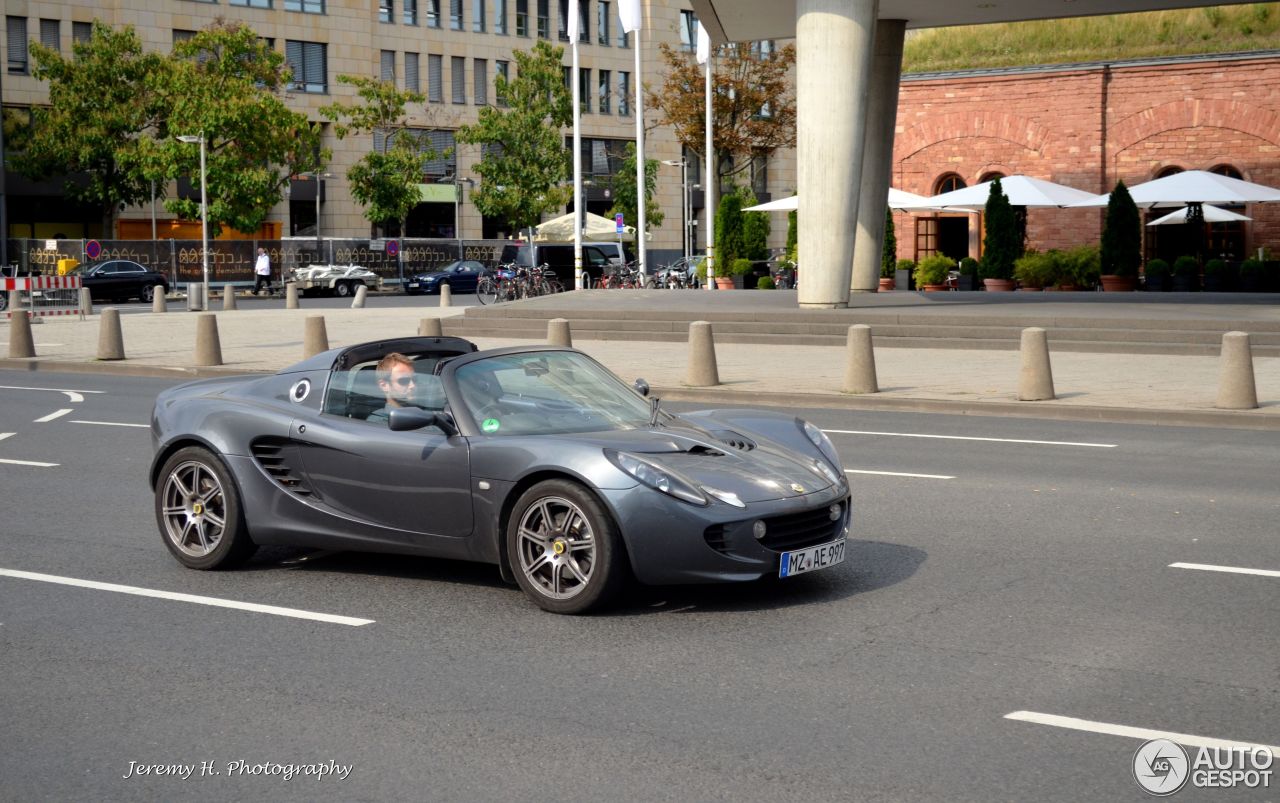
(877, 154)
(833, 66)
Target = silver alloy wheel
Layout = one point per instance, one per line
(194, 509)
(557, 547)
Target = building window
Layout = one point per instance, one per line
(433, 13)
(584, 21)
(477, 16)
(500, 17)
(544, 19)
(760, 175)
(305, 6)
(501, 68)
(307, 60)
(623, 39)
(388, 63)
(16, 29)
(763, 50)
(386, 11)
(411, 80)
(50, 34)
(455, 15)
(480, 81)
(602, 23)
(584, 89)
(180, 35)
(948, 183)
(605, 90)
(435, 78)
(458, 68)
(409, 11)
(624, 94)
(522, 17)
(564, 21)
(81, 31)
(688, 31)
(250, 3)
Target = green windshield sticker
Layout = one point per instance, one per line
(490, 425)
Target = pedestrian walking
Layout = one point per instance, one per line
(263, 271)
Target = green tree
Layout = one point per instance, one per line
(622, 185)
(889, 254)
(755, 228)
(1121, 251)
(227, 85)
(793, 233)
(524, 164)
(103, 108)
(1002, 245)
(729, 234)
(384, 182)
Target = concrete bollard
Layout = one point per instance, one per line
(21, 343)
(358, 301)
(1035, 379)
(860, 364)
(702, 356)
(228, 297)
(15, 300)
(208, 347)
(86, 302)
(558, 333)
(446, 295)
(430, 327)
(159, 303)
(110, 337)
(316, 338)
(291, 295)
(1236, 389)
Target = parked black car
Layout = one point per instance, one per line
(120, 280)
(461, 276)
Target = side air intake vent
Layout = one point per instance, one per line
(278, 458)
(740, 442)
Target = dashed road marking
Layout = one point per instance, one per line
(1206, 567)
(967, 438)
(108, 423)
(1112, 729)
(72, 395)
(51, 416)
(193, 598)
(901, 474)
(35, 463)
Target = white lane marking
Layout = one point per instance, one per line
(1207, 567)
(72, 395)
(55, 414)
(198, 600)
(4, 435)
(901, 474)
(967, 438)
(27, 463)
(1135, 733)
(108, 423)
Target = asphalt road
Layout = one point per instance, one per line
(983, 578)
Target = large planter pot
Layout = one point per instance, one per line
(965, 282)
(1184, 284)
(902, 278)
(934, 288)
(886, 285)
(1155, 284)
(724, 282)
(1119, 284)
(999, 285)
(1215, 283)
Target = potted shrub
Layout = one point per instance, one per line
(968, 274)
(1035, 270)
(1156, 276)
(1121, 254)
(1217, 276)
(902, 273)
(1251, 276)
(1002, 244)
(765, 283)
(738, 268)
(888, 252)
(1185, 270)
(1080, 268)
(931, 273)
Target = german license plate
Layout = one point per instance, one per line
(815, 557)
(413, 284)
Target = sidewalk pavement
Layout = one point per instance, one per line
(1155, 389)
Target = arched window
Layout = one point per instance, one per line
(990, 177)
(1168, 171)
(1227, 240)
(947, 183)
(1228, 171)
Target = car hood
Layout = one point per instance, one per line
(754, 470)
(429, 276)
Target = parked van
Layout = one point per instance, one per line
(595, 257)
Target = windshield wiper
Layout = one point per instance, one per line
(653, 410)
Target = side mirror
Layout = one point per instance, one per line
(405, 419)
(641, 386)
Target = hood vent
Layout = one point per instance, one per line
(279, 459)
(740, 442)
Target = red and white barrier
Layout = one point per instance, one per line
(44, 305)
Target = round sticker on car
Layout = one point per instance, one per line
(490, 425)
(300, 390)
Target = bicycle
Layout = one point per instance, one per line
(785, 275)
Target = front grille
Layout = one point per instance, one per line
(717, 538)
(800, 530)
(274, 455)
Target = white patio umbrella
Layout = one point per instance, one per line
(1192, 187)
(597, 229)
(1212, 214)
(1020, 190)
(898, 199)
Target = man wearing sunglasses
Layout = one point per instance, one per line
(397, 380)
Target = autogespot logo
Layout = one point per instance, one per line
(1160, 767)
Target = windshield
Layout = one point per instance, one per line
(547, 393)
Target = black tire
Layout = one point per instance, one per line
(198, 511)
(149, 293)
(343, 289)
(560, 573)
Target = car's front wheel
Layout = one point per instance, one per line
(564, 548)
(149, 292)
(343, 289)
(198, 511)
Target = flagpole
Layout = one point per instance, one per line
(577, 149)
(642, 228)
(710, 181)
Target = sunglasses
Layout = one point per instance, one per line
(404, 381)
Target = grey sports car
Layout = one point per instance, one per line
(536, 459)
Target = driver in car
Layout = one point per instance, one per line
(398, 382)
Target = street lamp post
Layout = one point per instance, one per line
(319, 177)
(204, 220)
(684, 202)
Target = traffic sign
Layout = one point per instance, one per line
(618, 219)
(93, 249)
(393, 247)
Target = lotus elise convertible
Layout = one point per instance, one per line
(535, 459)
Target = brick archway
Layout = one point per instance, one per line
(1019, 131)
(1229, 114)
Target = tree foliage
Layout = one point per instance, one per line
(755, 228)
(1121, 248)
(753, 104)
(889, 253)
(524, 164)
(622, 186)
(729, 234)
(1002, 245)
(384, 182)
(103, 107)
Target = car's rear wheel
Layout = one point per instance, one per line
(149, 292)
(343, 289)
(198, 511)
(564, 548)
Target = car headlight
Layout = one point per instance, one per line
(657, 477)
(824, 469)
(819, 439)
